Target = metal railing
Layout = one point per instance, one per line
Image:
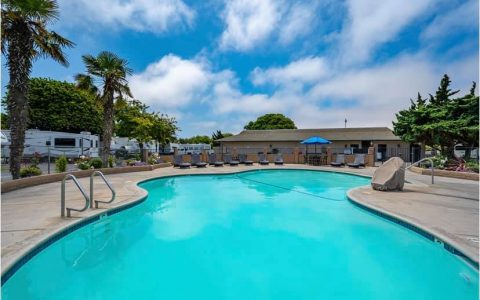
(431, 166)
(62, 199)
(91, 189)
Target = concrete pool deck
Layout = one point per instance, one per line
(448, 209)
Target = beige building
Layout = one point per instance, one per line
(344, 140)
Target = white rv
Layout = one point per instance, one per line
(131, 145)
(72, 145)
(194, 148)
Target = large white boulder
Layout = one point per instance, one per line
(390, 176)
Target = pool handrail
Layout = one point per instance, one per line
(431, 165)
(108, 185)
(62, 196)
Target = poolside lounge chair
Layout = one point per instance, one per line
(178, 162)
(279, 160)
(359, 161)
(339, 161)
(263, 160)
(228, 160)
(197, 162)
(212, 160)
(243, 160)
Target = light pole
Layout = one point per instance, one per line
(48, 150)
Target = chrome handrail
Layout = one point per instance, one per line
(91, 189)
(431, 165)
(62, 199)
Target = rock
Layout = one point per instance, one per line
(390, 176)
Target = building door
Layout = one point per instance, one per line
(416, 151)
(365, 146)
(381, 152)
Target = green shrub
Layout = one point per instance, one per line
(111, 161)
(151, 160)
(83, 165)
(30, 171)
(472, 165)
(121, 153)
(96, 163)
(61, 164)
(439, 162)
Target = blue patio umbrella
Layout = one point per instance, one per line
(315, 140)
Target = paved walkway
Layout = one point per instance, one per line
(449, 208)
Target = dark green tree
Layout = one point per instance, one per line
(441, 122)
(271, 121)
(25, 37)
(60, 106)
(133, 120)
(219, 135)
(198, 139)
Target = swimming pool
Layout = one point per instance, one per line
(277, 234)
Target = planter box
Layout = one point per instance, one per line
(444, 173)
(12, 185)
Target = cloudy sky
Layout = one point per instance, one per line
(217, 65)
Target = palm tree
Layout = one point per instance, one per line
(111, 72)
(25, 37)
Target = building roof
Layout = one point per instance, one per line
(297, 135)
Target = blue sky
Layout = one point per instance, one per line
(217, 65)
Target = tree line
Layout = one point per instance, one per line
(99, 100)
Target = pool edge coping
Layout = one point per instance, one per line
(448, 244)
(32, 250)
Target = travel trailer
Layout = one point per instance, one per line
(194, 148)
(40, 143)
(131, 145)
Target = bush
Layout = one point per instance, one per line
(30, 171)
(111, 161)
(61, 164)
(96, 163)
(121, 153)
(472, 165)
(83, 165)
(151, 160)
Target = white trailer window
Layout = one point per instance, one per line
(64, 142)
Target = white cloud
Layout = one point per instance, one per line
(305, 70)
(250, 23)
(171, 82)
(370, 96)
(371, 23)
(463, 17)
(297, 23)
(155, 16)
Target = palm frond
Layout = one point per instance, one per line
(39, 10)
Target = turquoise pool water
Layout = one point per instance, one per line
(258, 235)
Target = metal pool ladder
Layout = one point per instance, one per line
(62, 202)
(91, 189)
(423, 159)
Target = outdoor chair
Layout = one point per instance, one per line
(178, 162)
(262, 159)
(196, 161)
(229, 161)
(279, 160)
(212, 160)
(243, 160)
(339, 161)
(359, 161)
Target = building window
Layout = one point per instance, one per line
(64, 142)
